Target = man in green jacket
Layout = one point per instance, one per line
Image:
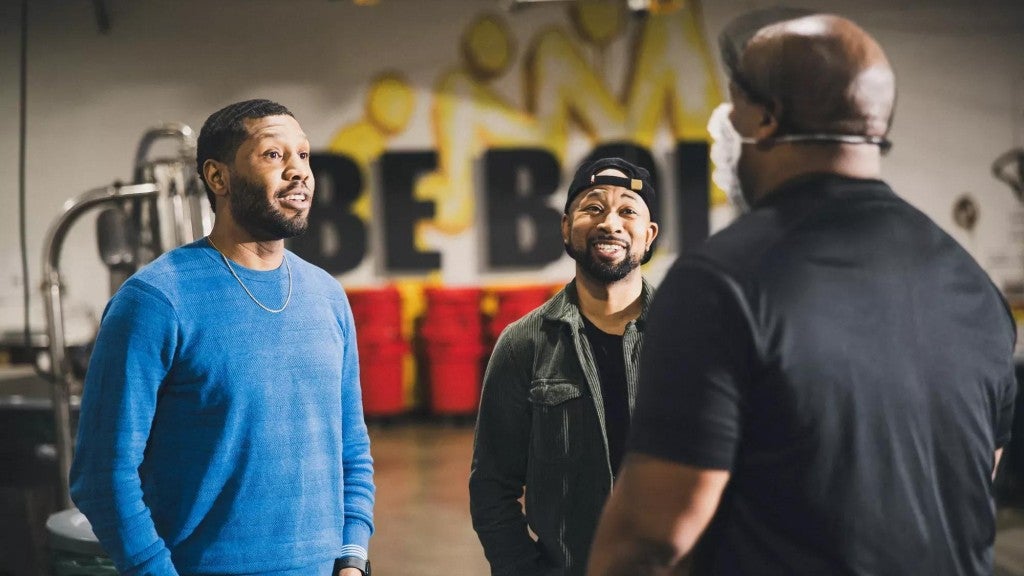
(560, 384)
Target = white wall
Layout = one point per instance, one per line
(92, 95)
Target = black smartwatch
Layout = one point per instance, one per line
(352, 562)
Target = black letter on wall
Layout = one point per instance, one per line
(519, 184)
(401, 211)
(694, 190)
(336, 238)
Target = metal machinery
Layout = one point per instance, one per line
(164, 208)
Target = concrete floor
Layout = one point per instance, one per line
(1010, 544)
(422, 511)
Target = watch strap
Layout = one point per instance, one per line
(361, 564)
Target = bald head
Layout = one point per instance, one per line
(820, 74)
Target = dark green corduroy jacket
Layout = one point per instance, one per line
(541, 427)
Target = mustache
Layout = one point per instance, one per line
(610, 239)
(294, 186)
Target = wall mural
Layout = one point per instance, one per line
(480, 200)
(497, 162)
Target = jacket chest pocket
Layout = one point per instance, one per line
(558, 410)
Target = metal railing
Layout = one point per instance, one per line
(60, 366)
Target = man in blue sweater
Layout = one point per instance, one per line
(221, 428)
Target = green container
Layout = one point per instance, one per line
(74, 548)
(70, 564)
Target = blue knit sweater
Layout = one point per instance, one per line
(216, 437)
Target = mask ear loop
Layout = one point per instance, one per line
(883, 143)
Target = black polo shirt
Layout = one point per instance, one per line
(851, 365)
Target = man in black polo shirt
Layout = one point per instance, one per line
(828, 382)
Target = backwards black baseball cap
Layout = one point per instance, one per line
(637, 179)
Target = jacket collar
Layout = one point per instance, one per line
(565, 306)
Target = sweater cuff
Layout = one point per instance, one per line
(356, 534)
(353, 550)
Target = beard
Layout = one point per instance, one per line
(251, 209)
(603, 271)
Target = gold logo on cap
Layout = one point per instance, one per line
(635, 184)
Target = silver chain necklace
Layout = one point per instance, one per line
(246, 288)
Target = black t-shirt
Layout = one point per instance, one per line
(611, 368)
(852, 366)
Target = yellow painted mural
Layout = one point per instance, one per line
(669, 87)
(671, 83)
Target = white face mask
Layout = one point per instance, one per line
(726, 148)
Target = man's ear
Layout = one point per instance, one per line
(768, 127)
(565, 228)
(652, 233)
(216, 175)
